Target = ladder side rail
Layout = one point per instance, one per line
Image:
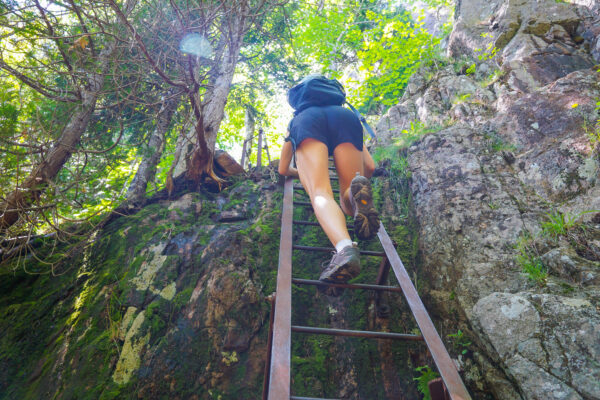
(279, 381)
(440, 355)
(267, 371)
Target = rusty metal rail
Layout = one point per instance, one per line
(443, 362)
(279, 381)
(353, 333)
(300, 187)
(347, 285)
(308, 398)
(280, 362)
(303, 203)
(330, 249)
(312, 223)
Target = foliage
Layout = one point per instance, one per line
(427, 375)
(416, 130)
(393, 50)
(492, 78)
(482, 55)
(496, 143)
(49, 52)
(529, 259)
(592, 128)
(556, 225)
(94, 177)
(471, 70)
(559, 224)
(461, 99)
(460, 342)
(47, 56)
(373, 48)
(486, 54)
(393, 156)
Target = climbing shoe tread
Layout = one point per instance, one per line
(344, 265)
(366, 218)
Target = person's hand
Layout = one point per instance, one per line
(293, 172)
(285, 168)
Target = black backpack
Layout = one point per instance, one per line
(319, 91)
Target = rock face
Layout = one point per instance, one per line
(163, 303)
(515, 156)
(170, 303)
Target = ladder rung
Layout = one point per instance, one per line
(298, 187)
(351, 333)
(279, 368)
(311, 223)
(329, 249)
(347, 285)
(302, 203)
(308, 398)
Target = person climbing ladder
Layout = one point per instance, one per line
(321, 127)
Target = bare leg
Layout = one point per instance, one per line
(348, 161)
(311, 157)
(369, 163)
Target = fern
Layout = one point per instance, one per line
(427, 375)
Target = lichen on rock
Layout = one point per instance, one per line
(129, 360)
(492, 176)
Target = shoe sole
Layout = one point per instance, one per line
(342, 274)
(366, 218)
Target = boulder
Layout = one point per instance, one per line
(226, 165)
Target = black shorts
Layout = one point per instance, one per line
(331, 125)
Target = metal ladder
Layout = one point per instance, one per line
(276, 385)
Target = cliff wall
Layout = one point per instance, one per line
(506, 193)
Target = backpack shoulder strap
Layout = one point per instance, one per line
(363, 120)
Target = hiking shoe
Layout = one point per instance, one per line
(366, 218)
(343, 266)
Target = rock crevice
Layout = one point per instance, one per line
(506, 188)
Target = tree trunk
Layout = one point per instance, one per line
(31, 189)
(136, 193)
(249, 125)
(199, 162)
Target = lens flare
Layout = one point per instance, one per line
(196, 44)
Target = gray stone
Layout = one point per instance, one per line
(551, 352)
(231, 216)
(537, 384)
(508, 321)
(505, 157)
(567, 264)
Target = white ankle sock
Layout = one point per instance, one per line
(342, 243)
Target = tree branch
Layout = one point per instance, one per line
(56, 41)
(108, 149)
(35, 86)
(143, 48)
(83, 26)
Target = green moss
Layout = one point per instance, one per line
(103, 284)
(309, 363)
(157, 317)
(495, 143)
